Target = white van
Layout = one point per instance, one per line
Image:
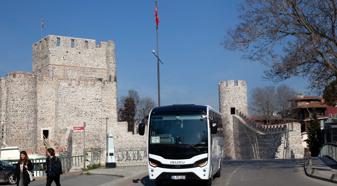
(9, 153)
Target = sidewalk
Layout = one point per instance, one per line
(124, 173)
(321, 168)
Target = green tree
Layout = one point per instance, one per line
(134, 109)
(128, 113)
(330, 93)
(315, 139)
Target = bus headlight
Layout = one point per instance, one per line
(201, 163)
(154, 163)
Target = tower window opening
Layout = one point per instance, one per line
(86, 44)
(72, 43)
(58, 41)
(236, 83)
(45, 134)
(232, 110)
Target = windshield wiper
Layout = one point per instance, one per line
(200, 145)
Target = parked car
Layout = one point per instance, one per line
(7, 173)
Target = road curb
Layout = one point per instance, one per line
(333, 177)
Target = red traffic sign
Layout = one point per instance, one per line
(78, 129)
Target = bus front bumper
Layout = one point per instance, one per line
(197, 173)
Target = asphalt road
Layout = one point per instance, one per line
(78, 180)
(252, 173)
(234, 173)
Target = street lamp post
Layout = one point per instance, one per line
(159, 61)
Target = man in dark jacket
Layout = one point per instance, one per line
(54, 168)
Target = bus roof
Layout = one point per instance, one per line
(187, 109)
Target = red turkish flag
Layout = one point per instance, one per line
(156, 14)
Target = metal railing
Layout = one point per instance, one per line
(40, 164)
(131, 156)
(329, 150)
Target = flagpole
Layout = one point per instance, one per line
(157, 52)
(41, 27)
(158, 59)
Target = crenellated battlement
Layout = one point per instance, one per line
(62, 42)
(73, 58)
(20, 74)
(233, 83)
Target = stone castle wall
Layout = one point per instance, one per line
(18, 108)
(73, 81)
(291, 146)
(252, 145)
(130, 149)
(243, 142)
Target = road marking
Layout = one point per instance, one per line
(231, 175)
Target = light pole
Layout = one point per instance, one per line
(156, 53)
(106, 141)
(159, 61)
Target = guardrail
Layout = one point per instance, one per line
(131, 156)
(40, 163)
(329, 150)
(313, 167)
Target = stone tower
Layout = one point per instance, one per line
(73, 82)
(74, 58)
(76, 84)
(232, 97)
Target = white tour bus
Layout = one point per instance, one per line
(185, 142)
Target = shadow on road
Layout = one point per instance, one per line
(147, 182)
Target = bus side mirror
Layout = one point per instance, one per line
(141, 129)
(214, 128)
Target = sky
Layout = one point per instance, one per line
(190, 37)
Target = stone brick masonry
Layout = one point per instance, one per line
(246, 140)
(73, 81)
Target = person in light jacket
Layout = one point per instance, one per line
(54, 168)
(21, 170)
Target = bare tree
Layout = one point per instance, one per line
(284, 94)
(263, 102)
(293, 37)
(144, 107)
(330, 93)
(269, 101)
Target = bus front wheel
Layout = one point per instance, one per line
(159, 182)
(208, 182)
(218, 173)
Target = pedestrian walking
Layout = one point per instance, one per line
(54, 168)
(23, 170)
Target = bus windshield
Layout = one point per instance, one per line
(188, 130)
